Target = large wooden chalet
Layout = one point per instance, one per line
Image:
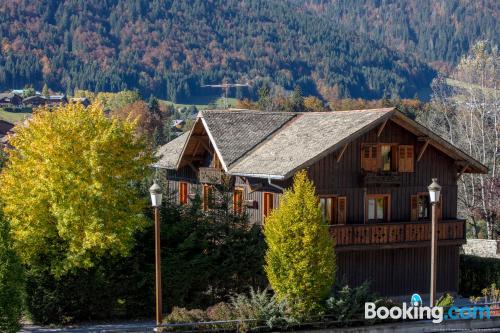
(371, 169)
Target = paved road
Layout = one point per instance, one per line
(132, 327)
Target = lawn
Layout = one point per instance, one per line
(204, 102)
(14, 116)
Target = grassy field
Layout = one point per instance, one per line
(14, 117)
(465, 85)
(204, 102)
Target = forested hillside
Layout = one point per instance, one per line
(171, 48)
(437, 31)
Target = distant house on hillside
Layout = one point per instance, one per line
(82, 100)
(371, 169)
(10, 99)
(34, 101)
(178, 123)
(56, 100)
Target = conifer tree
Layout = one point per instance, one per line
(45, 91)
(300, 260)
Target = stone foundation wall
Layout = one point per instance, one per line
(482, 248)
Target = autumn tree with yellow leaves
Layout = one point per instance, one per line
(69, 187)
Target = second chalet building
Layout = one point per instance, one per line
(371, 169)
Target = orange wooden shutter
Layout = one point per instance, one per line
(405, 158)
(402, 159)
(409, 158)
(365, 157)
(183, 193)
(268, 203)
(205, 197)
(238, 201)
(414, 207)
(342, 210)
(369, 158)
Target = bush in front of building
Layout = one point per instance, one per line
(205, 259)
(476, 273)
(300, 260)
(11, 283)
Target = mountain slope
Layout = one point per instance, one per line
(171, 48)
(438, 31)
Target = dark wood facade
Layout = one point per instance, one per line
(393, 254)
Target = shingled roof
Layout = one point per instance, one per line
(276, 144)
(235, 132)
(304, 140)
(168, 154)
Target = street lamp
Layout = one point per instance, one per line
(156, 196)
(434, 192)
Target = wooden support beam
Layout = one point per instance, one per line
(381, 128)
(196, 148)
(206, 147)
(192, 158)
(342, 152)
(462, 171)
(193, 167)
(423, 150)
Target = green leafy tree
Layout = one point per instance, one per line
(300, 260)
(76, 171)
(11, 283)
(28, 91)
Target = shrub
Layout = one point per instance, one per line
(300, 260)
(183, 315)
(261, 306)
(445, 301)
(253, 309)
(476, 273)
(11, 283)
(348, 304)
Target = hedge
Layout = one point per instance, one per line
(477, 273)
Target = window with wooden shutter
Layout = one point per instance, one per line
(238, 200)
(378, 208)
(342, 210)
(420, 207)
(406, 155)
(369, 157)
(333, 209)
(268, 203)
(183, 193)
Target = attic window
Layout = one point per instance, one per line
(387, 157)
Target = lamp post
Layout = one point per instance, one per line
(156, 197)
(434, 192)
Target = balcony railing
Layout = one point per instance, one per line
(392, 233)
(212, 176)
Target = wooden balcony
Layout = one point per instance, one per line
(211, 176)
(397, 234)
